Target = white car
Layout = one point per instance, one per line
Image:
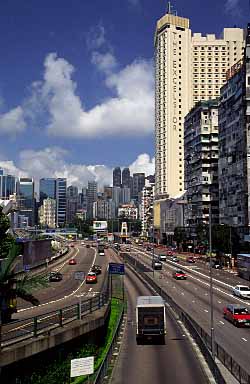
(162, 257)
(242, 291)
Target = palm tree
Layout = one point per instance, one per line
(12, 286)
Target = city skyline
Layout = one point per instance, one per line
(92, 70)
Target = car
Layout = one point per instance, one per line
(162, 257)
(156, 264)
(179, 275)
(55, 276)
(82, 243)
(127, 249)
(216, 265)
(190, 259)
(175, 259)
(149, 249)
(97, 269)
(237, 314)
(72, 245)
(87, 246)
(72, 261)
(169, 253)
(242, 291)
(91, 278)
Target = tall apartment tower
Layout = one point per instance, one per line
(61, 201)
(187, 69)
(117, 177)
(92, 197)
(126, 178)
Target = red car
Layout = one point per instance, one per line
(169, 253)
(190, 259)
(72, 245)
(72, 261)
(91, 278)
(179, 275)
(237, 314)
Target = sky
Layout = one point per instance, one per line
(77, 82)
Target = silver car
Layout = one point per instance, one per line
(242, 291)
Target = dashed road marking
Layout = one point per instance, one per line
(205, 310)
(222, 322)
(243, 338)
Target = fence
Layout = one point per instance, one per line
(42, 324)
(202, 338)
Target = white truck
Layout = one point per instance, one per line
(150, 319)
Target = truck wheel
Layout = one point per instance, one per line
(138, 340)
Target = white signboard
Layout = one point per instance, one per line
(83, 366)
(100, 225)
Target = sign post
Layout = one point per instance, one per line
(116, 269)
(82, 366)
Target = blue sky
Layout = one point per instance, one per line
(76, 82)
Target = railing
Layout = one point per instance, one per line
(202, 338)
(102, 371)
(20, 330)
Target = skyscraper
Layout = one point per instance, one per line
(61, 201)
(26, 199)
(7, 185)
(187, 69)
(92, 197)
(47, 188)
(126, 178)
(138, 184)
(117, 177)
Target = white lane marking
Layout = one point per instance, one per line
(206, 294)
(208, 284)
(193, 301)
(182, 293)
(219, 302)
(90, 289)
(205, 310)
(243, 338)
(221, 322)
(65, 297)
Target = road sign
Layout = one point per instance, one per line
(82, 366)
(79, 275)
(116, 269)
(26, 268)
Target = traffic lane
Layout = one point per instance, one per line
(149, 364)
(196, 302)
(58, 290)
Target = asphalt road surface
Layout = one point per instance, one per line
(174, 362)
(193, 296)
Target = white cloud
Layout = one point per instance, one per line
(12, 122)
(52, 162)
(131, 112)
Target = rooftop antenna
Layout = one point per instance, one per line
(170, 9)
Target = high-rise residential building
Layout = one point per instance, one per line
(126, 178)
(47, 213)
(146, 210)
(103, 210)
(234, 146)
(107, 192)
(201, 163)
(125, 196)
(187, 69)
(92, 197)
(7, 185)
(72, 203)
(129, 211)
(117, 177)
(116, 196)
(137, 184)
(61, 201)
(26, 199)
(47, 188)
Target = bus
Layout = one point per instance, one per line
(243, 265)
(100, 249)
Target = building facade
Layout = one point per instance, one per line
(91, 198)
(126, 178)
(47, 213)
(201, 163)
(47, 188)
(129, 211)
(234, 145)
(61, 202)
(147, 211)
(7, 185)
(187, 69)
(117, 177)
(26, 199)
(72, 203)
(138, 184)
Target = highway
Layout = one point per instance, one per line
(66, 292)
(193, 296)
(174, 362)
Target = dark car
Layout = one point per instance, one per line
(55, 276)
(149, 248)
(156, 264)
(179, 275)
(237, 314)
(87, 246)
(97, 269)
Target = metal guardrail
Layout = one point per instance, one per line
(46, 322)
(202, 338)
(102, 371)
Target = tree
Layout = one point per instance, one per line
(12, 287)
(6, 239)
(180, 235)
